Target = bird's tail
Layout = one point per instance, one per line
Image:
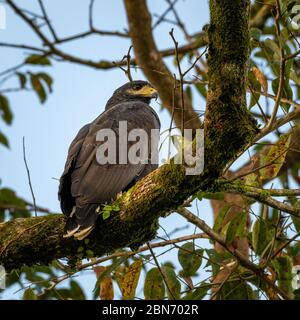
(81, 221)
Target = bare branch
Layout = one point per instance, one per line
(29, 179)
(236, 253)
(47, 20)
(150, 60)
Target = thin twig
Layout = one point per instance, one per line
(172, 115)
(259, 105)
(179, 22)
(235, 252)
(91, 7)
(130, 253)
(284, 245)
(43, 9)
(181, 79)
(29, 180)
(161, 271)
(128, 58)
(126, 70)
(164, 14)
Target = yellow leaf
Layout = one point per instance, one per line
(274, 159)
(106, 285)
(130, 280)
(261, 78)
(119, 274)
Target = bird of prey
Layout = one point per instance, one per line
(85, 184)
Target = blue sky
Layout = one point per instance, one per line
(80, 94)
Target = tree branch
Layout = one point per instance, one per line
(236, 253)
(229, 127)
(152, 64)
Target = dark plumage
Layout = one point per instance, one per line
(85, 183)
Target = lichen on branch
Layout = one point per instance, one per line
(228, 129)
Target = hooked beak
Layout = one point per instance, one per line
(150, 92)
(146, 91)
(154, 95)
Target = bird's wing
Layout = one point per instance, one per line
(64, 195)
(95, 183)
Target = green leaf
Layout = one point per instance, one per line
(9, 197)
(255, 33)
(201, 88)
(154, 287)
(115, 207)
(106, 214)
(288, 69)
(64, 293)
(214, 196)
(32, 275)
(259, 236)
(173, 282)
(274, 159)
(38, 87)
(5, 111)
(242, 229)
(190, 259)
(236, 227)
(220, 218)
(3, 140)
(29, 294)
(199, 293)
(109, 270)
(216, 256)
(107, 210)
(36, 59)
(210, 195)
(296, 294)
(47, 79)
(294, 77)
(188, 92)
(274, 47)
(296, 220)
(22, 79)
(270, 53)
(77, 292)
(12, 278)
(283, 267)
(287, 5)
(236, 290)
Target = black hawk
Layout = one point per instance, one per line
(85, 184)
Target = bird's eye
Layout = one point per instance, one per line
(137, 87)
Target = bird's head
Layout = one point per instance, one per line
(134, 90)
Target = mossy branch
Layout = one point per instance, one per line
(228, 128)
